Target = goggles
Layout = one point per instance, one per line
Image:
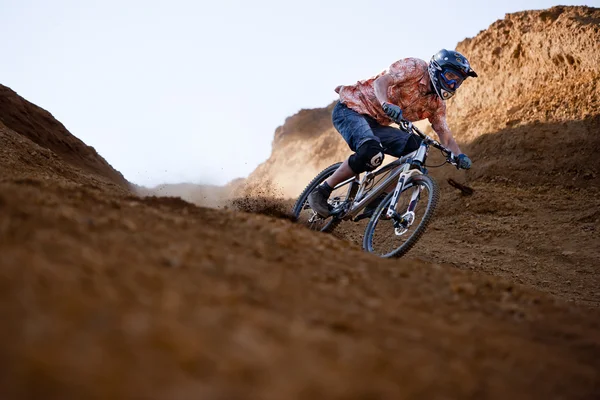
(452, 80)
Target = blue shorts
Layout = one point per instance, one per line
(357, 129)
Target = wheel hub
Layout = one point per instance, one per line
(402, 223)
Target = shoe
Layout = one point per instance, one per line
(317, 200)
(371, 207)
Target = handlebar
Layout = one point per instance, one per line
(410, 128)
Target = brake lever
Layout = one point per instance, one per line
(406, 125)
(452, 161)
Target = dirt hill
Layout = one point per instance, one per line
(38, 125)
(538, 73)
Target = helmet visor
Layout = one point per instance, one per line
(451, 79)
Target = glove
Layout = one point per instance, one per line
(463, 161)
(392, 111)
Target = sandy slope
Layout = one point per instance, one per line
(108, 296)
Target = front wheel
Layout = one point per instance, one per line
(393, 237)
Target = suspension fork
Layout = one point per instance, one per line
(413, 199)
(404, 177)
(417, 162)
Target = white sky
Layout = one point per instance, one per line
(183, 90)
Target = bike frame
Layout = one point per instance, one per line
(403, 169)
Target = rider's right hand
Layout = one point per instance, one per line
(463, 161)
(392, 111)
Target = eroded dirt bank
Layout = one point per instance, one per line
(108, 296)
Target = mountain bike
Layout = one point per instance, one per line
(401, 218)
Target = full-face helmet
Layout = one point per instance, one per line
(447, 70)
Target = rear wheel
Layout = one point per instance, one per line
(393, 237)
(306, 216)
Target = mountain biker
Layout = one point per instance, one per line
(411, 89)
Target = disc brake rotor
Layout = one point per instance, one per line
(402, 226)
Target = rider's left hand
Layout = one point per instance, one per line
(463, 161)
(392, 111)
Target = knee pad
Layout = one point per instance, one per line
(368, 157)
